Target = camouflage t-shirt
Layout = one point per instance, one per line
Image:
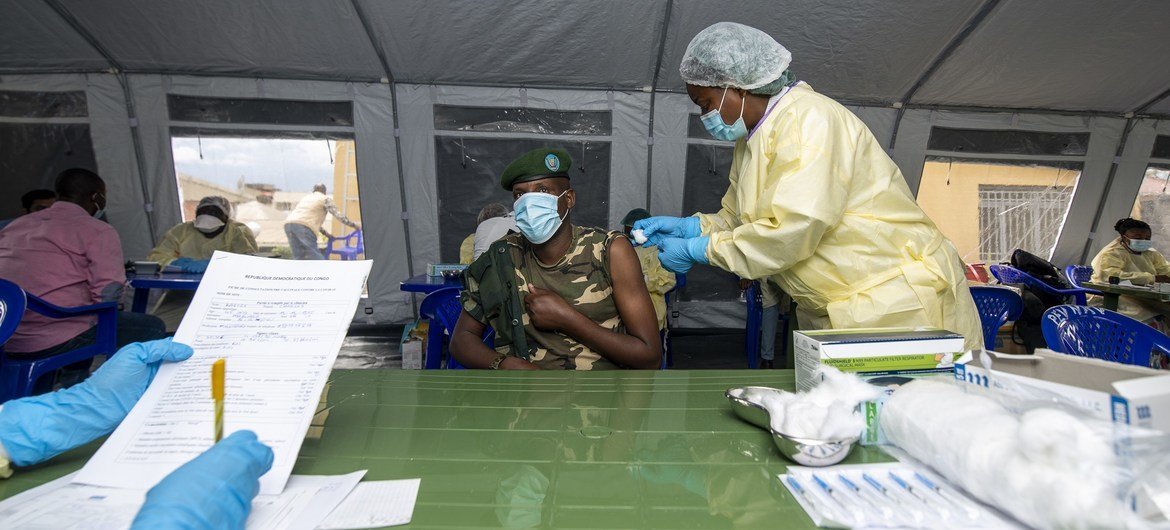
(581, 278)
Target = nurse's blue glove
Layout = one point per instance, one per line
(678, 255)
(215, 490)
(34, 429)
(658, 228)
(191, 266)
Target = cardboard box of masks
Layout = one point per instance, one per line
(886, 357)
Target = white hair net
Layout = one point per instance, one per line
(218, 202)
(727, 54)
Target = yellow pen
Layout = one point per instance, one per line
(217, 387)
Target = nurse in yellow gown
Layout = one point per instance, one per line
(814, 202)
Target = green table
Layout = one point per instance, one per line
(630, 449)
(1111, 293)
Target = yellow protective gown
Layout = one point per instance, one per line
(467, 250)
(818, 207)
(1140, 269)
(659, 281)
(184, 240)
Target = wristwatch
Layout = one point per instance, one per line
(496, 362)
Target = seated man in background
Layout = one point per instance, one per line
(304, 222)
(33, 201)
(188, 247)
(559, 296)
(498, 222)
(1131, 258)
(467, 252)
(66, 256)
(659, 281)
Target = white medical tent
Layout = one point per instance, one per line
(439, 94)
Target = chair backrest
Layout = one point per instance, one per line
(12, 306)
(996, 306)
(1102, 334)
(442, 307)
(1077, 274)
(355, 242)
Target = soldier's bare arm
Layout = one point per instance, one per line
(468, 348)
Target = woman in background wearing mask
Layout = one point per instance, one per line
(814, 203)
(559, 296)
(188, 247)
(1131, 258)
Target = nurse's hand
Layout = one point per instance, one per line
(678, 255)
(661, 227)
(215, 490)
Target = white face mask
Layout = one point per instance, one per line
(207, 223)
(1140, 245)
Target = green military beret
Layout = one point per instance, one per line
(635, 215)
(535, 165)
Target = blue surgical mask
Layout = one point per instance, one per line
(719, 129)
(537, 217)
(1140, 245)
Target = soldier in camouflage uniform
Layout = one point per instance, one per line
(574, 301)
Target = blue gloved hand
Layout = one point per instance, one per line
(658, 228)
(36, 428)
(678, 255)
(191, 266)
(215, 490)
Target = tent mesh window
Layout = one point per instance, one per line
(523, 120)
(706, 182)
(266, 111)
(1012, 217)
(1007, 142)
(17, 104)
(468, 178)
(1161, 147)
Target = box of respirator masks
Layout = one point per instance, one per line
(886, 357)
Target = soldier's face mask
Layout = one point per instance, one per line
(537, 217)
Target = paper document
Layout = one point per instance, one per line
(279, 324)
(60, 505)
(375, 504)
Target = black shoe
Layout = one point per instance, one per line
(766, 364)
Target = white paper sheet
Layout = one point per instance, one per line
(60, 505)
(375, 504)
(279, 324)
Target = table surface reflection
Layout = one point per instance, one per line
(626, 449)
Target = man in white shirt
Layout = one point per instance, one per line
(304, 222)
(491, 230)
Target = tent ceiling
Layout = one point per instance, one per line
(1080, 54)
(865, 50)
(1045, 54)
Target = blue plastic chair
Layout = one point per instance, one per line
(18, 377)
(1009, 274)
(997, 305)
(1077, 274)
(352, 244)
(1102, 334)
(442, 308)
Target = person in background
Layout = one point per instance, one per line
(659, 281)
(773, 301)
(467, 252)
(495, 221)
(1131, 258)
(33, 201)
(304, 223)
(188, 247)
(214, 490)
(66, 256)
(559, 296)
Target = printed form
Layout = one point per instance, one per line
(279, 323)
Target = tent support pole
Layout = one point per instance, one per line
(131, 115)
(1143, 107)
(973, 24)
(1129, 126)
(653, 94)
(390, 83)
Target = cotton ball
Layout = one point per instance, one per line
(840, 423)
(804, 420)
(843, 387)
(1059, 438)
(639, 236)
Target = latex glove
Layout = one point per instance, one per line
(36, 428)
(658, 228)
(215, 490)
(191, 266)
(678, 255)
